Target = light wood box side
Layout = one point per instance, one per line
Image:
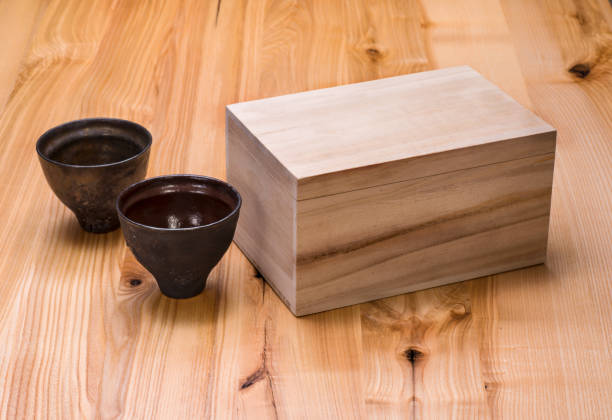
(382, 241)
(426, 165)
(266, 226)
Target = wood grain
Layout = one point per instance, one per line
(426, 232)
(86, 334)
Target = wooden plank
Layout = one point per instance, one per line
(316, 366)
(447, 347)
(47, 312)
(18, 21)
(92, 342)
(461, 369)
(576, 303)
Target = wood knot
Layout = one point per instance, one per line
(135, 282)
(254, 377)
(580, 18)
(580, 70)
(413, 355)
(373, 53)
(460, 311)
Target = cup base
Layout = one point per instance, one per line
(98, 226)
(175, 293)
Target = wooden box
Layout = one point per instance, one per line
(373, 189)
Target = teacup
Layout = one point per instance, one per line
(178, 227)
(89, 162)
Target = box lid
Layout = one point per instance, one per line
(389, 130)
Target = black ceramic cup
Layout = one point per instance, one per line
(179, 227)
(89, 162)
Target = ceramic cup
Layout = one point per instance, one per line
(89, 162)
(179, 227)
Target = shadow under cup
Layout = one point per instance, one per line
(88, 162)
(178, 227)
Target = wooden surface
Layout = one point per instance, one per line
(456, 184)
(84, 330)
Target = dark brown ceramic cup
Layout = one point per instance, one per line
(89, 162)
(179, 227)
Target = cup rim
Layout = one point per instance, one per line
(84, 121)
(201, 178)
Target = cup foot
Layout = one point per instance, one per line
(181, 293)
(98, 225)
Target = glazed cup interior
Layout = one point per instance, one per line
(178, 202)
(93, 142)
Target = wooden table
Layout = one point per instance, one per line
(84, 331)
